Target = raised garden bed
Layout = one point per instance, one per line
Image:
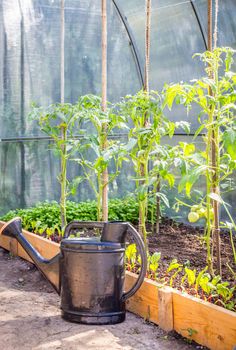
(195, 319)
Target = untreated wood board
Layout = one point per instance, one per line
(165, 309)
(46, 248)
(4, 241)
(209, 324)
(145, 300)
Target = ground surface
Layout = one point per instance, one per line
(30, 319)
(186, 243)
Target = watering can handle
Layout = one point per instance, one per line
(137, 238)
(140, 244)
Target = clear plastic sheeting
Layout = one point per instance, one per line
(30, 57)
(226, 20)
(30, 72)
(178, 31)
(29, 173)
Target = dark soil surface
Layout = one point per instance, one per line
(186, 243)
(30, 319)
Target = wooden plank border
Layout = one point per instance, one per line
(208, 324)
(45, 247)
(203, 322)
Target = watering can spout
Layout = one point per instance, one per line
(48, 267)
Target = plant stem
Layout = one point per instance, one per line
(143, 170)
(208, 201)
(215, 156)
(215, 189)
(141, 204)
(63, 179)
(158, 206)
(99, 198)
(232, 244)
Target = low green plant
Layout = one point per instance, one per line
(177, 268)
(153, 263)
(205, 287)
(45, 217)
(131, 256)
(199, 284)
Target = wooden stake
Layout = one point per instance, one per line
(165, 309)
(147, 45)
(209, 25)
(62, 70)
(63, 131)
(104, 108)
(214, 145)
(142, 228)
(215, 35)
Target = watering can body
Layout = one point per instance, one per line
(88, 273)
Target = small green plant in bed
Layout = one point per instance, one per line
(181, 276)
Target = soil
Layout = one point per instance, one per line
(30, 319)
(186, 244)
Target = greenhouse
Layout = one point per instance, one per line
(118, 174)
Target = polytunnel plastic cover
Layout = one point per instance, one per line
(30, 72)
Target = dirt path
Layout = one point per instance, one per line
(30, 319)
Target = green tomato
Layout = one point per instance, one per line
(194, 208)
(201, 212)
(193, 217)
(211, 213)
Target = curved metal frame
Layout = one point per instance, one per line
(199, 24)
(136, 58)
(132, 41)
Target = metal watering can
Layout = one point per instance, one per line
(88, 273)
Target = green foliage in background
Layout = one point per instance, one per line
(44, 218)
